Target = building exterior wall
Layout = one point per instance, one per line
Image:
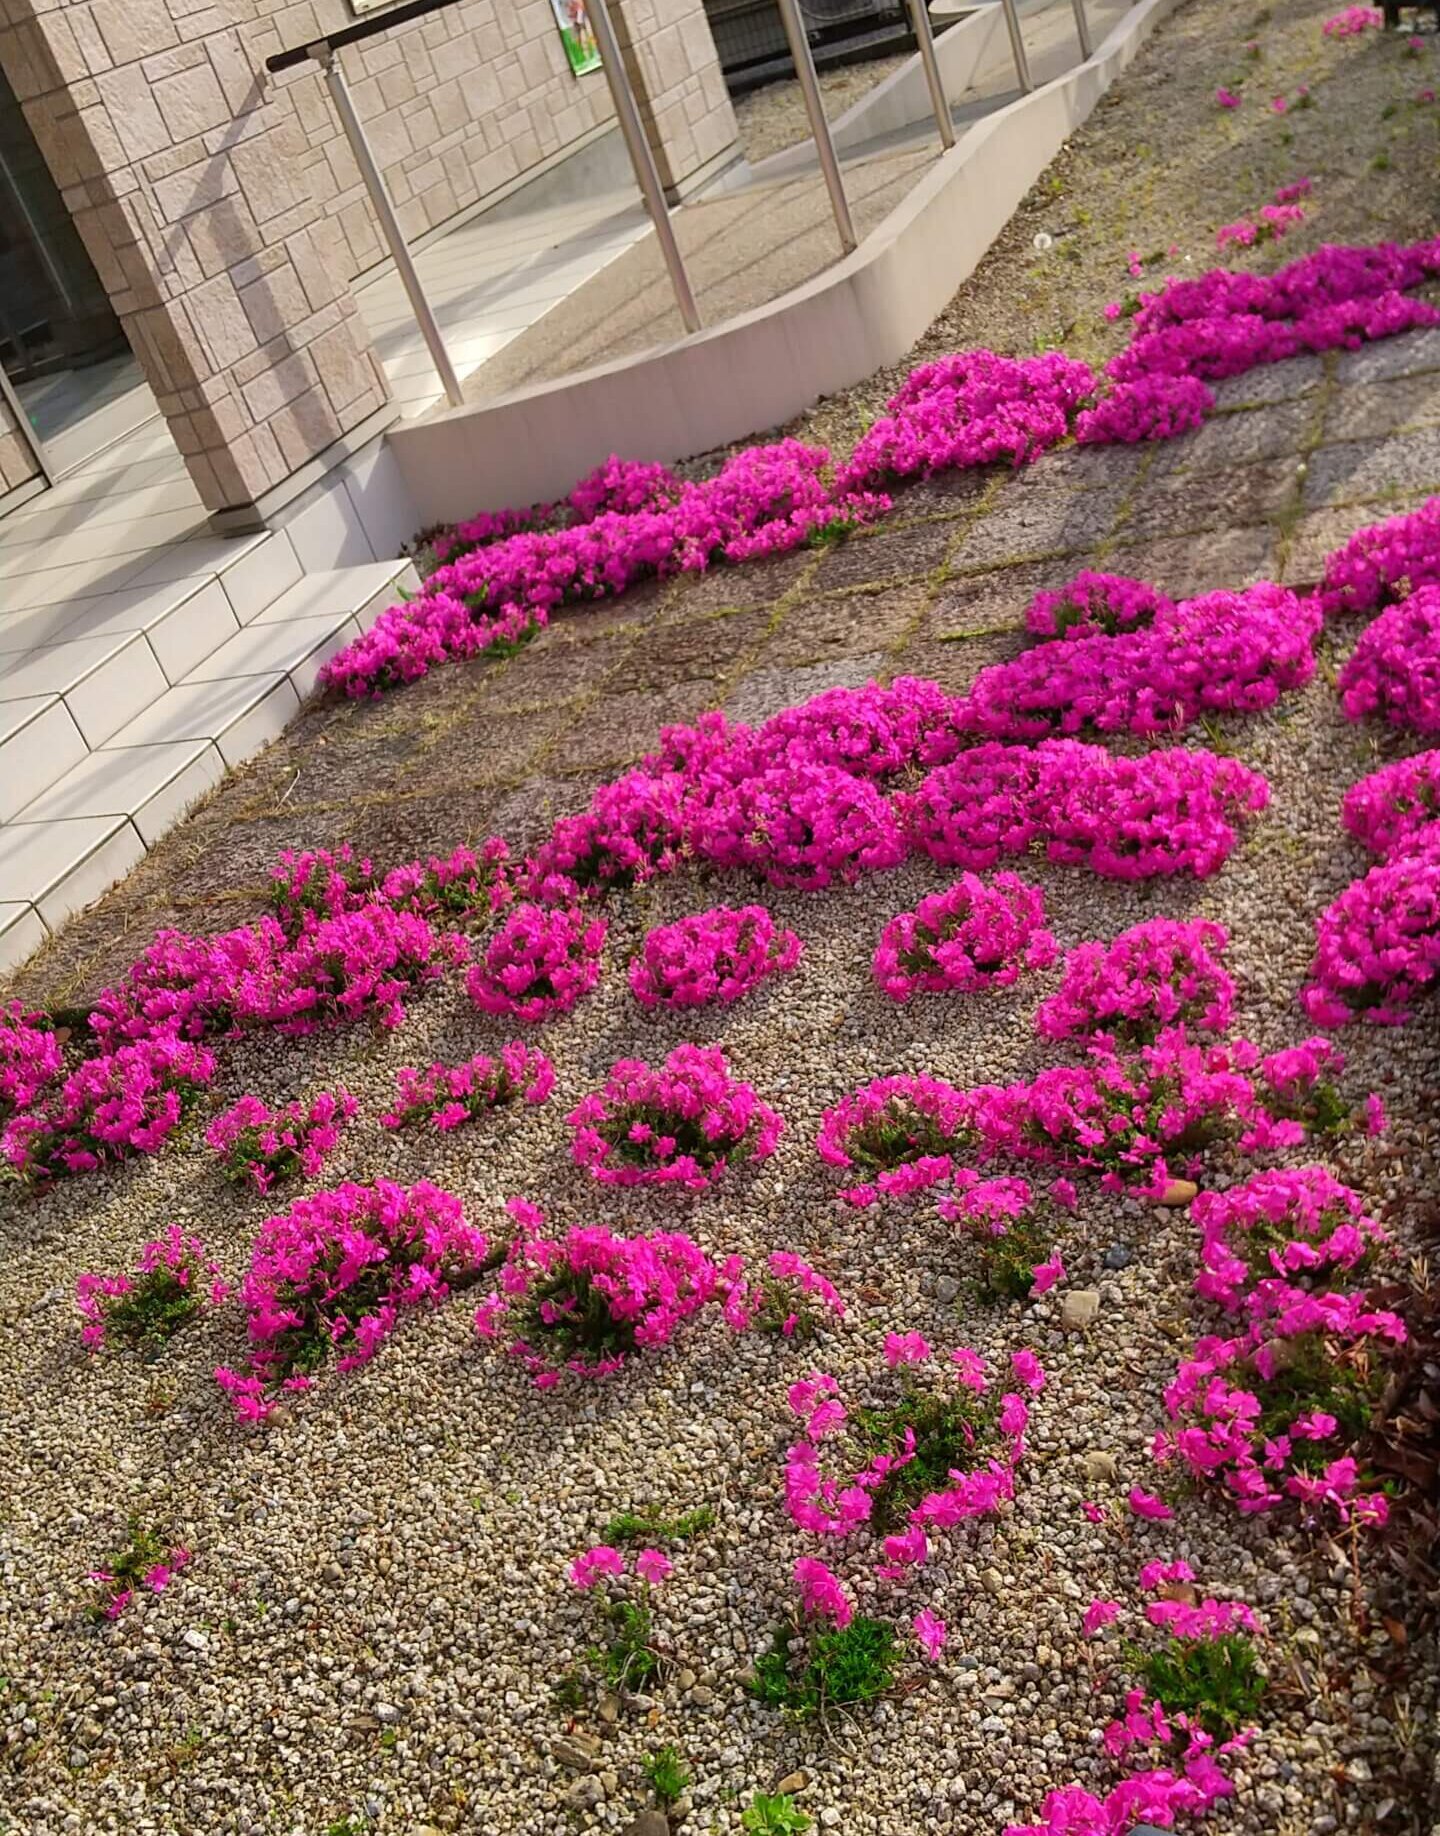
(17, 463)
(225, 215)
(456, 107)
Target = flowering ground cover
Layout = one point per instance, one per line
(625, 1417)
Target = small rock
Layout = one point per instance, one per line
(947, 1289)
(196, 1640)
(609, 1708)
(1100, 1468)
(1119, 1256)
(578, 1754)
(792, 1784)
(1079, 1308)
(585, 1794)
(650, 1823)
(1179, 1192)
(993, 1581)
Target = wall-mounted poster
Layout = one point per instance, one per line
(577, 35)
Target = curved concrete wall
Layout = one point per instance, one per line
(758, 370)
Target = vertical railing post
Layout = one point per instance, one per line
(26, 430)
(642, 159)
(925, 42)
(1082, 27)
(1017, 45)
(819, 126)
(324, 55)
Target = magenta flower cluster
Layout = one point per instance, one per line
(1397, 807)
(1096, 605)
(539, 963)
(682, 1124)
(31, 1058)
(1377, 947)
(1351, 21)
(900, 1134)
(332, 1276)
(591, 1299)
(1129, 818)
(265, 1146)
(830, 1506)
(763, 501)
(1238, 1414)
(1384, 562)
(179, 1259)
(971, 409)
(1161, 973)
(1223, 652)
(1262, 1238)
(445, 1096)
(1394, 670)
(119, 1103)
(975, 934)
(714, 956)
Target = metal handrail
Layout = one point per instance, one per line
(369, 27)
(322, 52)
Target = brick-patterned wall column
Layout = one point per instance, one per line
(186, 178)
(675, 73)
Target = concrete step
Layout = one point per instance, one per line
(97, 814)
(120, 652)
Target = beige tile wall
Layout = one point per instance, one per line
(224, 212)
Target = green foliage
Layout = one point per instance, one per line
(1310, 1377)
(154, 1310)
(854, 1663)
(898, 1134)
(649, 1526)
(127, 1567)
(952, 1432)
(1216, 1682)
(568, 1692)
(582, 1325)
(1007, 1263)
(628, 1660)
(773, 1813)
(667, 1773)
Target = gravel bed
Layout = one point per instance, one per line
(773, 118)
(377, 1612)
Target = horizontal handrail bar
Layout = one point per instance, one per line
(353, 34)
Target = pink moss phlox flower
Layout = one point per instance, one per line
(1147, 1505)
(1158, 1574)
(1096, 605)
(1027, 1368)
(1094, 1512)
(1226, 98)
(31, 1057)
(629, 1133)
(905, 1348)
(821, 1593)
(1098, 1615)
(653, 1566)
(1044, 1275)
(969, 1368)
(973, 935)
(716, 956)
(1352, 20)
(930, 1633)
(597, 1564)
(1205, 1621)
(447, 1096)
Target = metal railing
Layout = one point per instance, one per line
(321, 52)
